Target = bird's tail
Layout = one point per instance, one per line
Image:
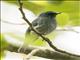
(32, 38)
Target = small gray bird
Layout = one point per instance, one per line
(45, 23)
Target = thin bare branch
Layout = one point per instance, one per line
(12, 23)
(67, 30)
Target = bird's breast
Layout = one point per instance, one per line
(46, 27)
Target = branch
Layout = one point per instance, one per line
(43, 52)
(67, 30)
(44, 38)
(12, 22)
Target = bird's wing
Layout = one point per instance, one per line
(35, 23)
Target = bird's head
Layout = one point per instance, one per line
(49, 13)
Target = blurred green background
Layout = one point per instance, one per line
(70, 9)
(70, 12)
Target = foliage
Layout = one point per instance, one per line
(70, 8)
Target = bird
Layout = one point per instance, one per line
(45, 23)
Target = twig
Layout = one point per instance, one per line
(44, 38)
(12, 23)
(67, 30)
(33, 52)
